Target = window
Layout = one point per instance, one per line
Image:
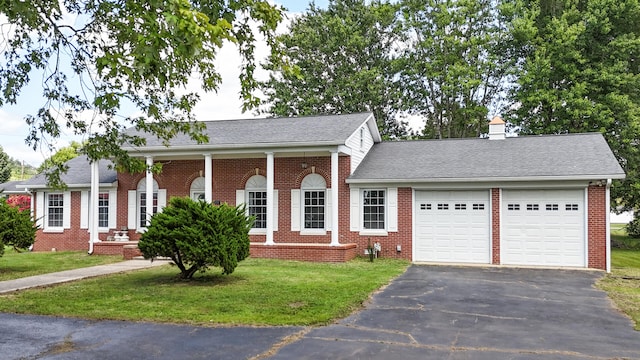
(571, 207)
(314, 209)
(513, 207)
(551, 207)
(256, 193)
(425, 206)
(55, 210)
(197, 189)
(257, 207)
(142, 202)
(443, 206)
(314, 195)
(533, 207)
(103, 210)
(373, 210)
(478, 206)
(461, 206)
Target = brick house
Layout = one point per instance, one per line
(322, 187)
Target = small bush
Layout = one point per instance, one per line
(633, 228)
(17, 229)
(197, 235)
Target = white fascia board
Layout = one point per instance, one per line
(198, 153)
(227, 148)
(373, 127)
(480, 179)
(343, 149)
(112, 185)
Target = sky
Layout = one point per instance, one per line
(223, 105)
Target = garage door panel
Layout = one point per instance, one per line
(452, 226)
(543, 227)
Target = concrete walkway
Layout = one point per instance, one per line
(75, 274)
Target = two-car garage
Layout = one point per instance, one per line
(537, 227)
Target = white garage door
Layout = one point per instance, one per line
(452, 226)
(543, 227)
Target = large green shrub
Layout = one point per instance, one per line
(197, 235)
(17, 229)
(633, 228)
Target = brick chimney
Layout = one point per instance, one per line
(497, 129)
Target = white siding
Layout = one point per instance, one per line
(359, 149)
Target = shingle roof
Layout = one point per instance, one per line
(79, 173)
(308, 130)
(12, 187)
(549, 156)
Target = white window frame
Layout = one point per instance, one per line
(197, 190)
(314, 183)
(140, 193)
(103, 207)
(47, 208)
(256, 183)
(374, 232)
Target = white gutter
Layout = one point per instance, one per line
(608, 225)
(199, 148)
(484, 179)
(78, 186)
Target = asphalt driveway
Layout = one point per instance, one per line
(430, 312)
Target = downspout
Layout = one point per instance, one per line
(608, 225)
(32, 209)
(93, 205)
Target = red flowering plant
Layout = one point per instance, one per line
(22, 202)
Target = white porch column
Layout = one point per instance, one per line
(208, 179)
(149, 190)
(269, 240)
(335, 239)
(93, 205)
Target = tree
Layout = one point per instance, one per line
(5, 166)
(197, 235)
(344, 55)
(61, 156)
(452, 67)
(106, 57)
(17, 229)
(579, 73)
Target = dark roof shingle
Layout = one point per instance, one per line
(572, 155)
(307, 130)
(79, 173)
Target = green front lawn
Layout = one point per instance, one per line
(259, 292)
(14, 265)
(623, 284)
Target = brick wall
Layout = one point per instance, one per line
(495, 225)
(389, 243)
(230, 175)
(305, 252)
(73, 238)
(597, 223)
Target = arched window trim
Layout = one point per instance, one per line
(197, 189)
